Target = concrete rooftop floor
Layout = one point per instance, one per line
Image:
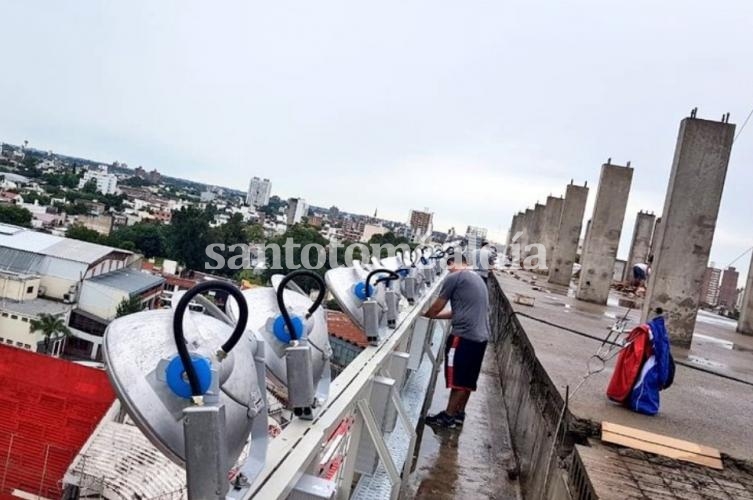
(699, 407)
(467, 463)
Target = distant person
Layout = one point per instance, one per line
(641, 271)
(467, 294)
(484, 259)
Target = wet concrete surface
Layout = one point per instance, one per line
(699, 407)
(469, 462)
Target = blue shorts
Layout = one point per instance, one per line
(638, 274)
(462, 362)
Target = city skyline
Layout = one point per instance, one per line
(481, 105)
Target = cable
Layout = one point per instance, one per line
(180, 339)
(393, 276)
(740, 256)
(593, 337)
(742, 127)
(281, 301)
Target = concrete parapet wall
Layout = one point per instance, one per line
(533, 404)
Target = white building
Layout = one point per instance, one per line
(207, 196)
(106, 183)
(44, 273)
(370, 230)
(297, 209)
(258, 192)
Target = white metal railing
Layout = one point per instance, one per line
(293, 453)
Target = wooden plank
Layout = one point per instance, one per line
(674, 453)
(667, 441)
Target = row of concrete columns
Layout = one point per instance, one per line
(677, 245)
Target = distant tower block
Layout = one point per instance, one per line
(688, 222)
(552, 217)
(745, 323)
(537, 226)
(600, 247)
(568, 235)
(640, 247)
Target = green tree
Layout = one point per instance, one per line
(272, 208)
(129, 306)
(148, 238)
(11, 214)
(52, 327)
(189, 236)
(301, 236)
(389, 238)
(90, 186)
(255, 233)
(83, 233)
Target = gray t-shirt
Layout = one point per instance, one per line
(469, 299)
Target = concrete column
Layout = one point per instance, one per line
(600, 247)
(688, 222)
(640, 247)
(568, 235)
(655, 243)
(525, 228)
(552, 217)
(514, 228)
(745, 323)
(536, 226)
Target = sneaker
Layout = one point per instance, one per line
(459, 419)
(442, 419)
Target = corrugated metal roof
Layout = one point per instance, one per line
(55, 246)
(19, 261)
(128, 280)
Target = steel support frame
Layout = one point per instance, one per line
(292, 452)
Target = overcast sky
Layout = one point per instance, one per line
(473, 109)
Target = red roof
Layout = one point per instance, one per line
(48, 409)
(339, 325)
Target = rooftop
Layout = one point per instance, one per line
(128, 280)
(48, 409)
(699, 407)
(341, 327)
(27, 240)
(34, 307)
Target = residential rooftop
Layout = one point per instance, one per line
(27, 240)
(34, 307)
(128, 280)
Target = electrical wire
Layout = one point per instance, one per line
(281, 300)
(179, 336)
(740, 256)
(392, 276)
(593, 337)
(742, 127)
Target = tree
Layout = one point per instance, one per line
(272, 208)
(389, 238)
(129, 306)
(148, 238)
(90, 186)
(52, 327)
(83, 233)
(301, 235)
(12, 214)
(189, 236)
(255, 233)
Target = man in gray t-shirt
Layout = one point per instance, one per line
(467, 294)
